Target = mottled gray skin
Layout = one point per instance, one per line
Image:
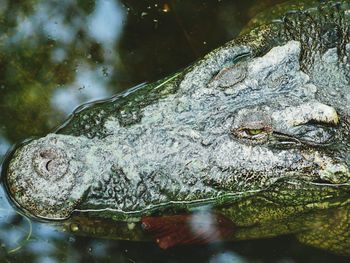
(266, 115)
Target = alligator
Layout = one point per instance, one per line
(252, 141)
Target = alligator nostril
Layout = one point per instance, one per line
(47, 166)
(49, 153)
(50, 163)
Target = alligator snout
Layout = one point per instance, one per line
(46, 178)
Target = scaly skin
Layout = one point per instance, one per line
(257, 131)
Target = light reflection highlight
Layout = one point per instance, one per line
(105, 23)
(90, 84)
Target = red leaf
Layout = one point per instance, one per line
(197, 228)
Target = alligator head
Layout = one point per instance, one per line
(254, 123)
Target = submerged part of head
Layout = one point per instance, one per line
(46, 176)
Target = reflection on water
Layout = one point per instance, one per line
(56, 55)
(105, 23)
(88, 85)
(4, 146)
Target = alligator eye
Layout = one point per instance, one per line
(252, 125)
(254, 132)
(257, 135)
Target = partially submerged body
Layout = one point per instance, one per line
(249, 142)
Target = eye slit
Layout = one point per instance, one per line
(254, 132)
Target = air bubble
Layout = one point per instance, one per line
(74, 227)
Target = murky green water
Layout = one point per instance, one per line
(56, 55)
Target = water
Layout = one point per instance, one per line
(56, 55)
